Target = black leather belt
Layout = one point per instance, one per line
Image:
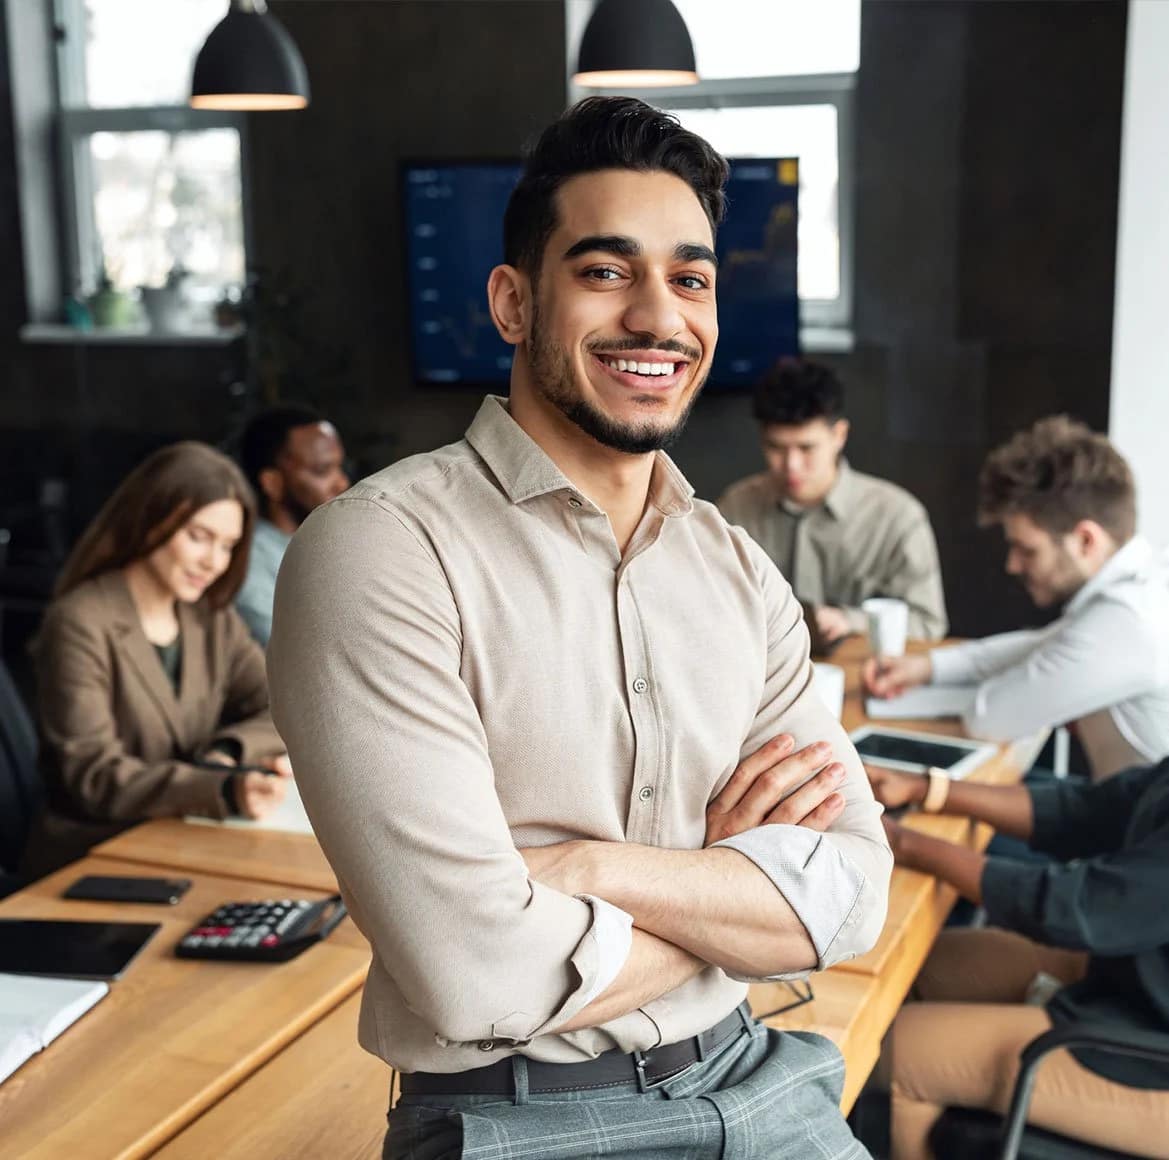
(611, 1068)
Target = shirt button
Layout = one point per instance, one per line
(486, 1044)
(645, 793)
(574, 502)
(640, 685)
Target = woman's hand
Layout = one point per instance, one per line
(258, 794)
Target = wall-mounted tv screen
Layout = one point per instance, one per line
(454, 225)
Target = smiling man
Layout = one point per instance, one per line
(553, 723)
(1067, 505)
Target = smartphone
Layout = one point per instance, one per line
(98, 888)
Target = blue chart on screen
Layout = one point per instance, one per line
(454, 217)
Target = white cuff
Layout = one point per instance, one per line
(612, 931)
(820, 883)
(951, 666)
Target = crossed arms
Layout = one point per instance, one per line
(393, 763)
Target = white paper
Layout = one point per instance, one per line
(289, 816)
(926, 702)
(35, 1010)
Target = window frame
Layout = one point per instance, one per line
(77, 122)
(825, 324)
(835, 89)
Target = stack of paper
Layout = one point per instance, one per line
(35, 1010)
(923, 703)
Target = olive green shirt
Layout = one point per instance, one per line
(868, 538)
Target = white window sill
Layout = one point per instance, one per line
(826, 340)
(55, 333)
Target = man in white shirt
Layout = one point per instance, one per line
(1066, 501)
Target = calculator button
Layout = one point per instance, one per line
(287, 921)
(213, 940)
(269, 940)
(192, 940)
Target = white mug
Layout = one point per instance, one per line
(888, 625)
(828, 681)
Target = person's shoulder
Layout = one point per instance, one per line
(419, 477)
(897, 504)
(403, 491)
(91, 605)
(721, 539)
(749, 492)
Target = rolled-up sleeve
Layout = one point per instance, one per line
(392, 763)
(836, 882)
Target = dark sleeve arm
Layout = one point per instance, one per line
(1112, 904)
(1078, 820)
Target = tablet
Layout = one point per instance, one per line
(76, 950)
(917, 752)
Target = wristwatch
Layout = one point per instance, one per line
(937, 792)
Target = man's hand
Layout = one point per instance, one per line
(886, 677)
(962, 868)
(831, 623)
(894, 789)
(776, 786)
(900, 841)
(258, 794)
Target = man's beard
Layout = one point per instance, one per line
(553, 379)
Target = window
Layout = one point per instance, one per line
(152, 188)
(778, 80)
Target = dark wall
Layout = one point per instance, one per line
(413, 78)
(987, 150)
(988, 138)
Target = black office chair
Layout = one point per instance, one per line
(970, 1134)
(20, 790)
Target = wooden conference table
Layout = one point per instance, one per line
(189, 1059)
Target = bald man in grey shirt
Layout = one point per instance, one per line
(837, 535)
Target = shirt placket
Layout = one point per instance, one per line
(644, 701)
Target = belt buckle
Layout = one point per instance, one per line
(644, 1084)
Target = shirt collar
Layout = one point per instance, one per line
(839, 500)
(524, 470)
(1128, 562)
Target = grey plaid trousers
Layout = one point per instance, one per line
(767, 1095)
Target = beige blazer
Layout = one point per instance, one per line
(116, 742)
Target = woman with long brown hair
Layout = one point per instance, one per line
(150, 691)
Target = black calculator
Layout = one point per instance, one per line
(271, 931)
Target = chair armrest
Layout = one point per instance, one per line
(1132, 1041)
(1119, 1040)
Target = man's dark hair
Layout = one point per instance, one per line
(1056, 473)
(795, 392)
(265, 435)
(601, 133)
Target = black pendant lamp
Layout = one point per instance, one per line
(249, 62)
(635, 44)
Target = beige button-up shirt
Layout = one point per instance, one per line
(868, 538)
(464, 663)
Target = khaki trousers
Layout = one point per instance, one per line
(959, 1047)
